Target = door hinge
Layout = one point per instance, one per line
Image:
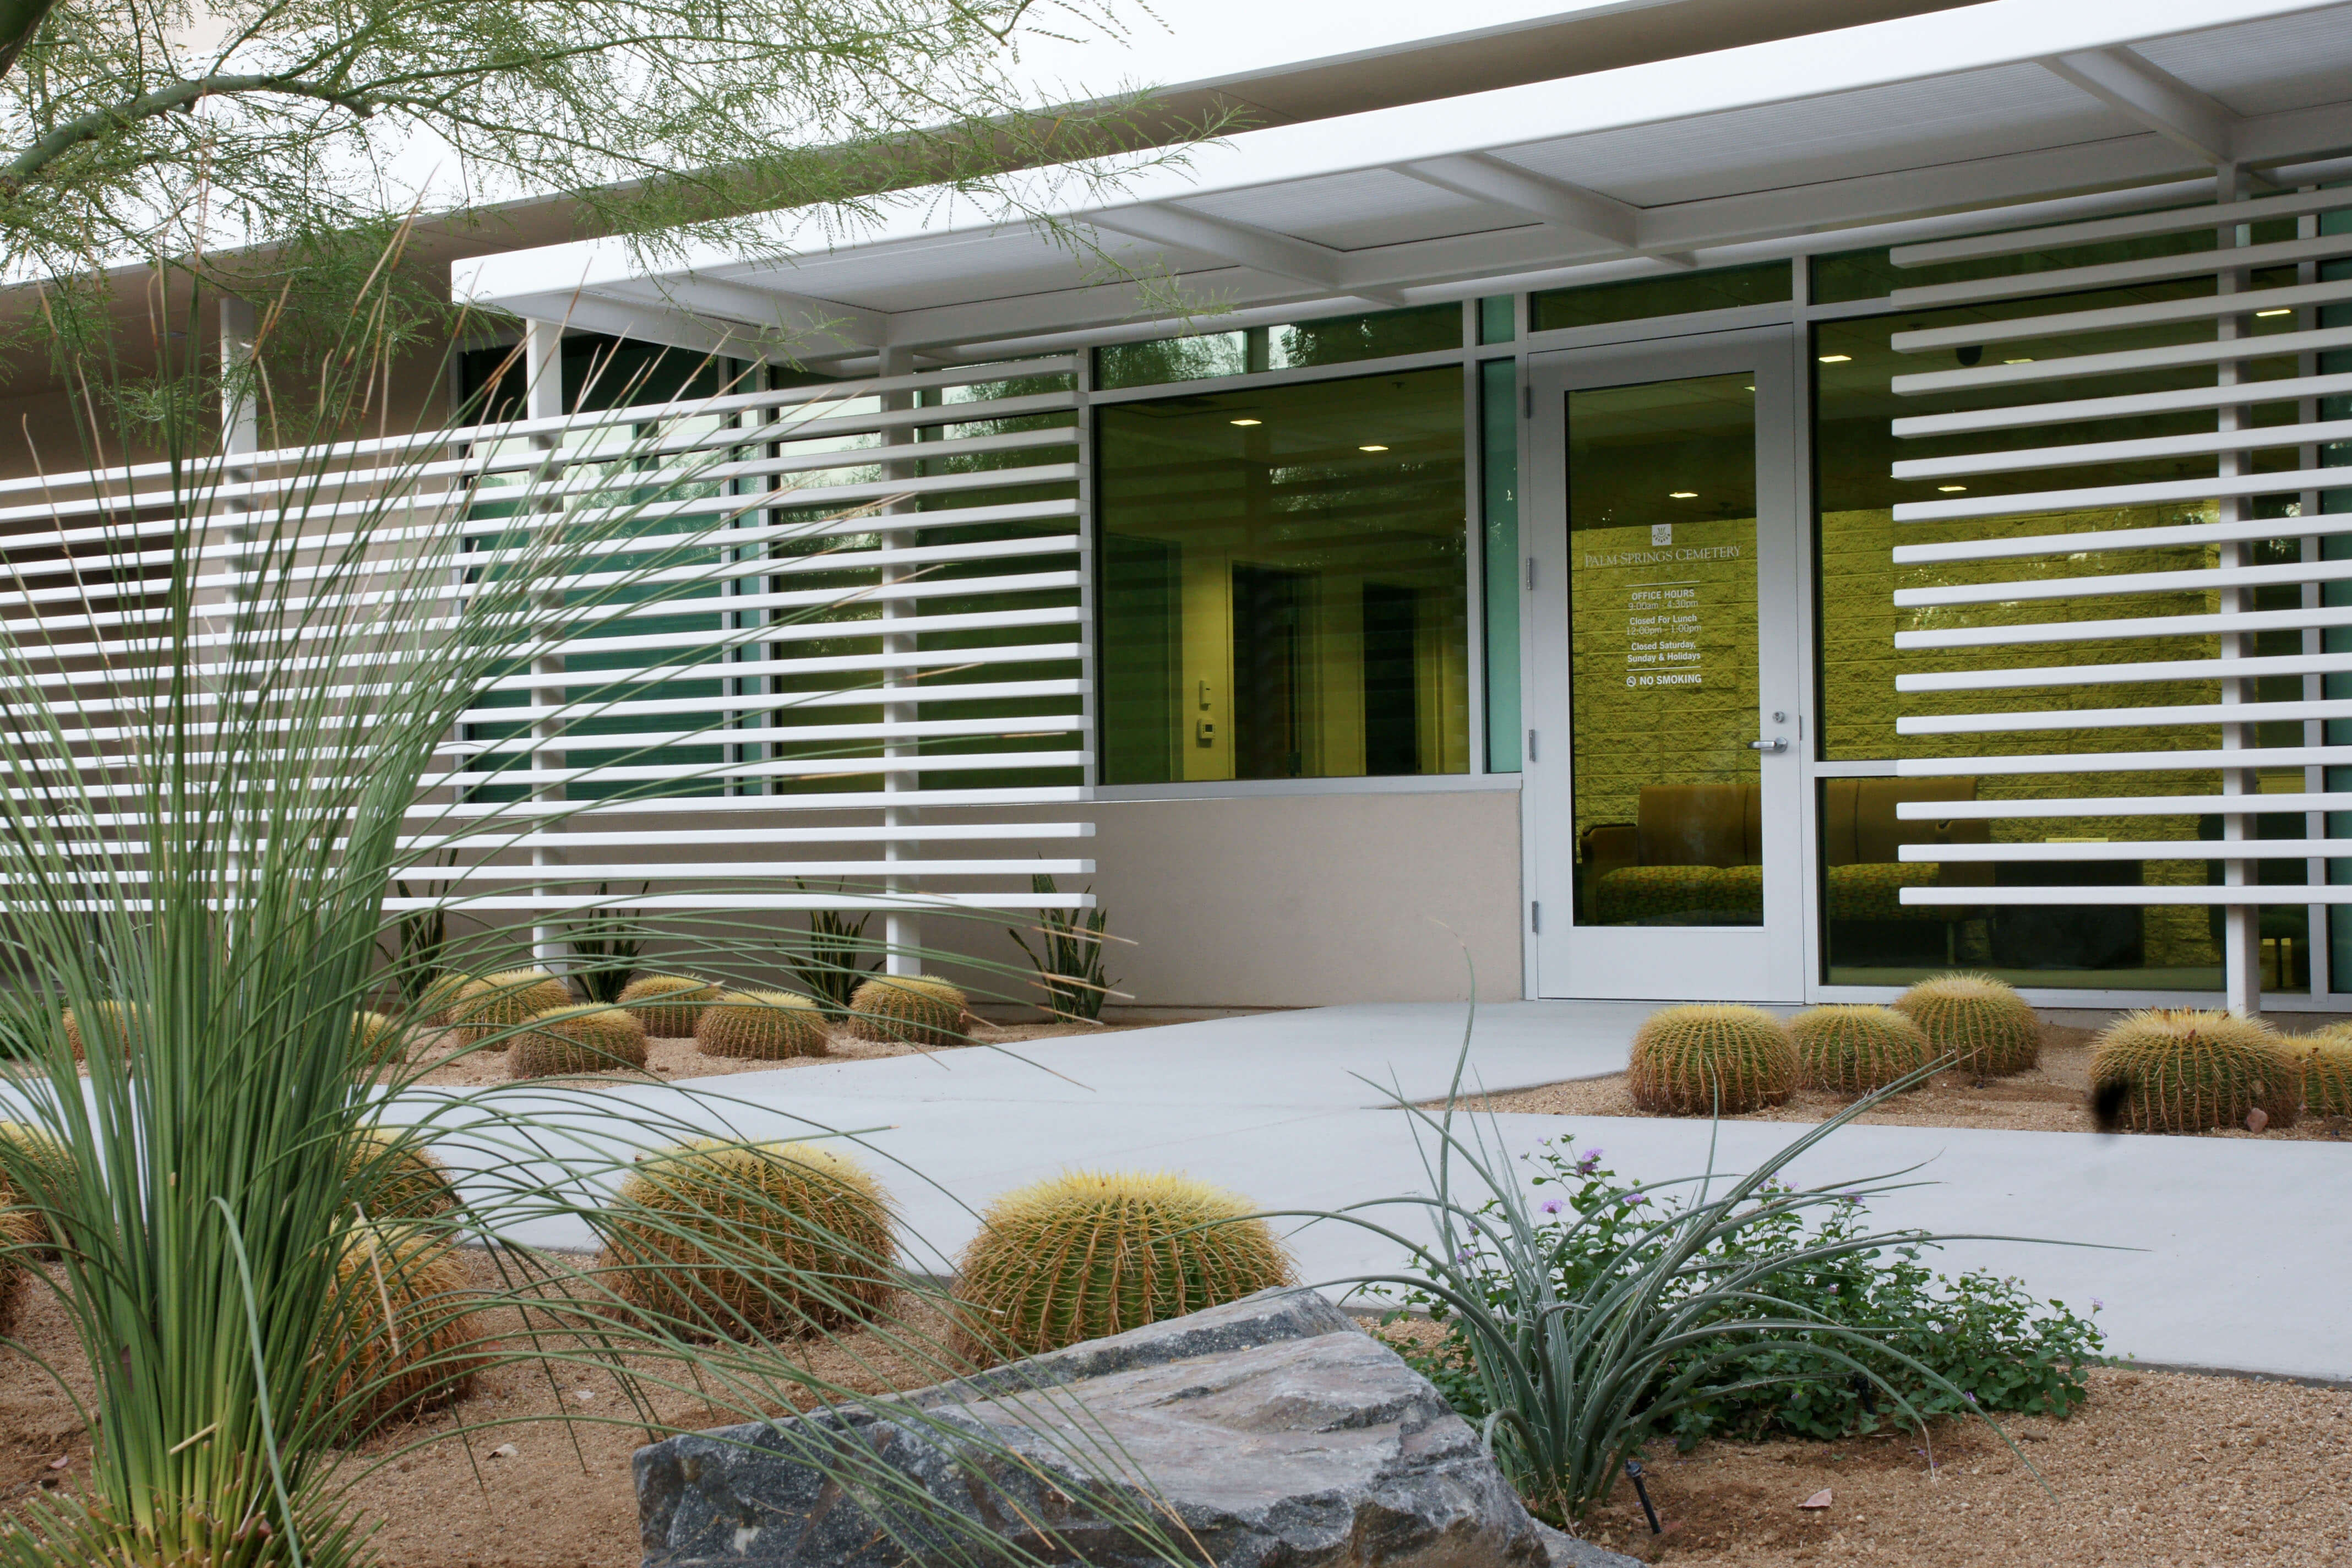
(1531, 745)
(1535, 918)
(1531, 573)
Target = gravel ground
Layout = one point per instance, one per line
(2053, 1098)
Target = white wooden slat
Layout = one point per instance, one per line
(2115, 674)
(522, 811)
(2076, 851)
(2156, 716)
(2123, 406)
(2203, 760)
(2174, 356)
(852, 901)
(2254, 439)
(2187, 580)
(2106, 275)
(2151, 895)
(2193, 220)
(648, 838)
(791, 768)
(2094, 498)
(2121, 805)
(2194, 534)
(736, 870)
(2116, 318)
(718, 733)
(2058, 632)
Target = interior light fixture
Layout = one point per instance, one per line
(1245, 421)
(1832, 359)
(2282, 310)
(2027, 360)
(1950, 490)
(1375, 446)
(1682, 495)
(1748, 389)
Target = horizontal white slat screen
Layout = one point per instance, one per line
(2127, 486)
(816, 611)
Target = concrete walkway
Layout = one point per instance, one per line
(2237, 1256)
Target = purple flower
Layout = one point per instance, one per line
(1970, 1397)
(1588, 1163)
(2097, 1305)
(1462, 1256)
(1635, 1197)
(1552, 1206)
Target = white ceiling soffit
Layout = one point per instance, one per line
(1704, 158)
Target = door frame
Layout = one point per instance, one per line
(1786, 948)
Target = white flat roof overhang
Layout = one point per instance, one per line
(1836, 140)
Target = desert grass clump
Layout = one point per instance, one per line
(2192, 1069)
(1092, 1252)
(1851, 1049)
(1710, 1059)
(405, 1340)
(761, 1026)
(1982, 1023)
(2326, 1070)
(115, 1021)
(913, 1009)
(750, 1241)
(492, 1007)
(586, 1038)
(395, 1177)
(666, 1004)
(38, 1167)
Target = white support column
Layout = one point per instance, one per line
(543, 384)
(2241, 923)
(902, 930)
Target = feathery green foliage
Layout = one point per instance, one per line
(1080, 1256)
(830, 959)
(1980, 1022)
(1711, 1057)
(604, 945)
(2191, 1070)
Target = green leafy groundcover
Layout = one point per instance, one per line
(2002, 1348)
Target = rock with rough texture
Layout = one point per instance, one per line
(1566, 1552)
(1279, 1434)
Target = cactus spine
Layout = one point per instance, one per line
(761, 1026)
(422, 1353)
(1710, 1059)
(1094, 1253)
(769, 1240)
(2188, 1070)
(577, 1039)
(2328, 1070)
(1855, 1049)
(913, 1009)
(1983, 1022)
(667, 1005)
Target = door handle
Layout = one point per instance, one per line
(1777, 743)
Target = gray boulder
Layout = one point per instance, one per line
(1273, 1433)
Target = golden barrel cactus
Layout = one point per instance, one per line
(1848, 1049)
(377, 1040)
(666, 1004)
(761, 1026)
(1092, 1252)
(1983, 1022)
(913, 1009)
(47, 1164)
(434, 1004)
(577, 1039)
(766, 1241)
(2326, 1070)
(395, 1177)
(1705, 1058)
(2191, 1070)
(490, 1009)
(115, 1022)
(404, 1338)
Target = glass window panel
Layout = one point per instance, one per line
(1661, 607)
(1673, 294)
(1497, 319)
(1848, 275)
(1498, 423)
(1283, 582)
(1329, 340)
(1872, 938)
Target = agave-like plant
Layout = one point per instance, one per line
(207, 808)
(1577, 1375)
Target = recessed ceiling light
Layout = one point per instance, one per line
(1949, 489)
(2282, 310)
(1682, 495)
(2027, 360)
(1246, 422)
(1748, 389)
(1375, 446)
(1834, 358)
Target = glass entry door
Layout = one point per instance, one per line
(1665, 788)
